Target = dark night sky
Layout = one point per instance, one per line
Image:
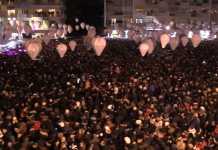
(90, 11)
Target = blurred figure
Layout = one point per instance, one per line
(6, 34)
(60, 34)
(27, 32)
(51, 33)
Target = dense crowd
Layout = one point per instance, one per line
(166, 100)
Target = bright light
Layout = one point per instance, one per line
(167, 28)
(126, 34)
(11, 12)
(173, 34)
(39, 10)
(114, 34)
(190, 34)
(204, 34)
(113, 20)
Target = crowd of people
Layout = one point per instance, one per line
(166, 100)
(24, 31)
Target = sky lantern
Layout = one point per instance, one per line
(72, 45)
(33, 48)
(82, 25)
(99, 44)
(151, 45)
(62, 49)
(69, 29)
(143, 48)
(174, 43)
(164, 39)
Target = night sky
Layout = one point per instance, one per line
(89, 11)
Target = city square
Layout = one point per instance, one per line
(109, 75)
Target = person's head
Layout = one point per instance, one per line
(60, 32)
(7, 30)
(27, 29)
(53, 28)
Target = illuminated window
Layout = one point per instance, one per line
(39, 10)
(51, 10)
(113, 20)
(139, 21)
(11, 12)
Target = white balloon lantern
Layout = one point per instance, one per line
(151, 46)
(69, 29)
(184, 40)
(174, 43)
(164, 39)
(72, 45)
(143, 48)
(64, 26)
(60, 25)
(33, 48)
(76, 20)
(62, 49)
(77, 27)
(82, 25)
(87, 27)
(196, 40)
(99, 44)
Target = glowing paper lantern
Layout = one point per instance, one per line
(196, 40)
(144, 48)
(151, 46)
(184, 40)
(76, 20)
(33, 48)
(77, 27)
(72, 45)
(87, 27)
(65, 26)
(174, 43)
(164, 39)
(62, 49)
(60, 25)
(83, 25)
(69, 29)
(99, 45)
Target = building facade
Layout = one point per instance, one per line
(180, 11)
(26, 9)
